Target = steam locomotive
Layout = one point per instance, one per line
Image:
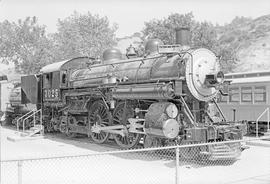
(157, 99)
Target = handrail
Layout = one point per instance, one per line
(266, 110)
(126, 61)
(188, 112)
(31, 116)
(18, 120)
(219, 109)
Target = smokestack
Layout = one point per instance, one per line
(183, 36)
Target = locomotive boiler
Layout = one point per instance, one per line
(157, 99)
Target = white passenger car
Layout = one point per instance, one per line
(248, 98)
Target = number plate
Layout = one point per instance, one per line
(51, 94)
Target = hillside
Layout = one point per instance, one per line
(250, 38)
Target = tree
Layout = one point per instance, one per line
(204, 35)
(164, 29)
(25, 44)
(83, 35)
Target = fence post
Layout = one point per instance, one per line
(34, 119)
(0, 153)
(257, 127)
(268, 120)
(177, 165)
(20, 162)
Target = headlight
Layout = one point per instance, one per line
(172, 110)
(220, 77)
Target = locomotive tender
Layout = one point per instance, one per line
(15, 109)
(158, 98)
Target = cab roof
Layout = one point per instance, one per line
(74, 63)
(53, 67)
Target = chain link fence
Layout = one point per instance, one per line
(185, 164)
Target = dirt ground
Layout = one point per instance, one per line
(253, 167)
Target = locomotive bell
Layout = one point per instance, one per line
(183, 36)
(110, 55)
(151, 46)
(131, 52)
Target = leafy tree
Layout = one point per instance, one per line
(164, 29)
(83, 35)
(204, 35)
(25, 44)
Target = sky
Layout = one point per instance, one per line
(130, 15)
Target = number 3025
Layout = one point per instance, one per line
(51, 93)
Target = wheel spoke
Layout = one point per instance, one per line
(119, 118)
(103, 112)
(116, 120)
(98, 114)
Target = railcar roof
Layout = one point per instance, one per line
(250, 80)
(247, 74)
(53, 67)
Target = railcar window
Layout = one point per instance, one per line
(228, 77)
(252, 75)
(260, 94)
(239, 76)
(234, 95)
(264, 74)
(246, 94)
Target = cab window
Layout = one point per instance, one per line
(47, 80)
(63, 77)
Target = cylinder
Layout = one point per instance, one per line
(158, 123)
(183, 36)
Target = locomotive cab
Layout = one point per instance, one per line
(51, 86)
(55, 77)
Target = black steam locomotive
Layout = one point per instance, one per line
(158, 98)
